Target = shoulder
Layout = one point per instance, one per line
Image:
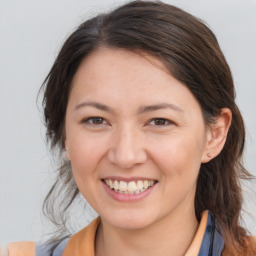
(3, 251)
(251, 242)
(250, 248)
(85, 236)
(20, 249)
(251, 239)
(52, 249)
(83, 242)
(33, 249)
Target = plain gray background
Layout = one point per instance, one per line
(31, 34)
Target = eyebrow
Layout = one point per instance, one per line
(94, 105)
(144, 109)
(141, 110)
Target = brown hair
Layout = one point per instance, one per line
(192, 55)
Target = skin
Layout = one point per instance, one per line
(167, 144)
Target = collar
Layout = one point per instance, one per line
(82, 243)
(207, 241)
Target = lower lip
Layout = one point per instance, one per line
(128, 197)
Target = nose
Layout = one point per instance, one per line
(126, 149)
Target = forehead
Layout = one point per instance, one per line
(114, 74)
(118, 63)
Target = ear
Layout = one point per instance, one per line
(216, 135)
(67, 155)
(64, 143)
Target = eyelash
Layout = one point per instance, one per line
(166, 121)
(91, 120)
(94, 118)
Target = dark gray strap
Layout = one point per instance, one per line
(213, 242)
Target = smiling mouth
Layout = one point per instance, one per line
(131, 187)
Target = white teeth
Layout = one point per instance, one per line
(116, 185)
(140, 185)
(145, 184)
(122, 186)
(111, 184)
(131, 187)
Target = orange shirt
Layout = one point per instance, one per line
(82, 243)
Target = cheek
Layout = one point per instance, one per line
(178, 155)
(84, 159)
(85, 156)
(86, 150)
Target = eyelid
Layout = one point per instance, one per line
(86, 120)
(169, 122)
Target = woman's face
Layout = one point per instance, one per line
(135, 137)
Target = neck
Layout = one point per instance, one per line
(166, 237)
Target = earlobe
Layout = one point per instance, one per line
(67, 155)
(209, 154)
(216, 135)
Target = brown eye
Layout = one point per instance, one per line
(160, 122)
(95, 121)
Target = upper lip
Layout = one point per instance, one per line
(127, 179)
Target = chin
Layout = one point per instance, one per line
(131, 221)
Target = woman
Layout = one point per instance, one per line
(141, 103)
